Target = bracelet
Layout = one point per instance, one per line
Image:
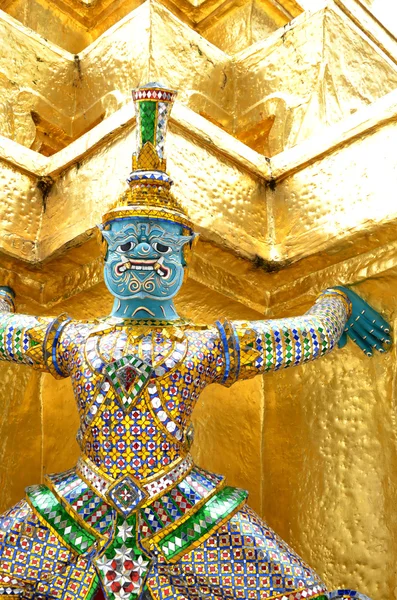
(6, 301)
(344, 297)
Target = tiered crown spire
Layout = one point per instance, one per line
(153, 105)
(149, 184)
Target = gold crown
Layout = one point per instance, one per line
(149, 192)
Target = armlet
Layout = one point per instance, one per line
(43, 339)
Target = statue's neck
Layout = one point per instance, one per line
(149, 309)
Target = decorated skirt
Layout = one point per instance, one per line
(123, 526)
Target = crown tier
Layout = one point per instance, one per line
(149, 194)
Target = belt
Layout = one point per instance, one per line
(126, 494)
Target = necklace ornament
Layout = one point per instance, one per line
(126, 496)
(128, 376)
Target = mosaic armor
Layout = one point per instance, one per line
(136, 512)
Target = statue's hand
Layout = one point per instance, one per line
(366, 327)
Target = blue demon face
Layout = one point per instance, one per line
(144, 258)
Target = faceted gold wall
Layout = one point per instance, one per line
(282, 148)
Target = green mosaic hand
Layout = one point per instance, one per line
(366, 327)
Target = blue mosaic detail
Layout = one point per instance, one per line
(126, 496)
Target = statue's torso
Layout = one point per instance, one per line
(136, 388)
(134, 416)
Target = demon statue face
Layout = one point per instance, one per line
(145, 258)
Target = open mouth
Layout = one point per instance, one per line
(137, 264)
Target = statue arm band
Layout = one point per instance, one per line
(6, 302)
(254, 347)
(32, 341)
(344, 297)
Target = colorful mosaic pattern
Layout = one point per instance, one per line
(203, 521)
(82, 502)
(150, 435)
(243, 559)
(123, 566)
(31, 340)
(35, 564)
(89, 473)
(94, 512)
(128, 375)
(177, 503)
(55, 515)
(169, 479)
(152, 110)
(29, 551)
(126, 496)
(258, 347)
(78, 580)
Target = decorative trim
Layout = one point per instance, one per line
(160, 509)
(200, 526)
(344, 297)
(50, 345)
(318, 592)
(53, 514)
(132, 488)
(155, 486)
(71, 508)
(158, 213)
(347, 595)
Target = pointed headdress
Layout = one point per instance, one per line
(149, 192)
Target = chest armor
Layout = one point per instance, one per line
(136, 390)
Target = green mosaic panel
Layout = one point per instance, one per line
(206, 518)
(147, 111)
(289, 351)
(143, 374)
(18, 344)
(48, 507)
(94, 588)
(269, 351)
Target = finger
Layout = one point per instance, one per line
(368, 337)
(343, 340)
(365, 309)
(373, 329)
(375, 318)
(362, 344)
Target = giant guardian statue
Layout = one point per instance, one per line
(136, 518)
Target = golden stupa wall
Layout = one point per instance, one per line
(290, 112)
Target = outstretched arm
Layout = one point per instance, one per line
(30, 340)
(252, 347)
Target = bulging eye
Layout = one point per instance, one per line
(162, 248)
(125, 247)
